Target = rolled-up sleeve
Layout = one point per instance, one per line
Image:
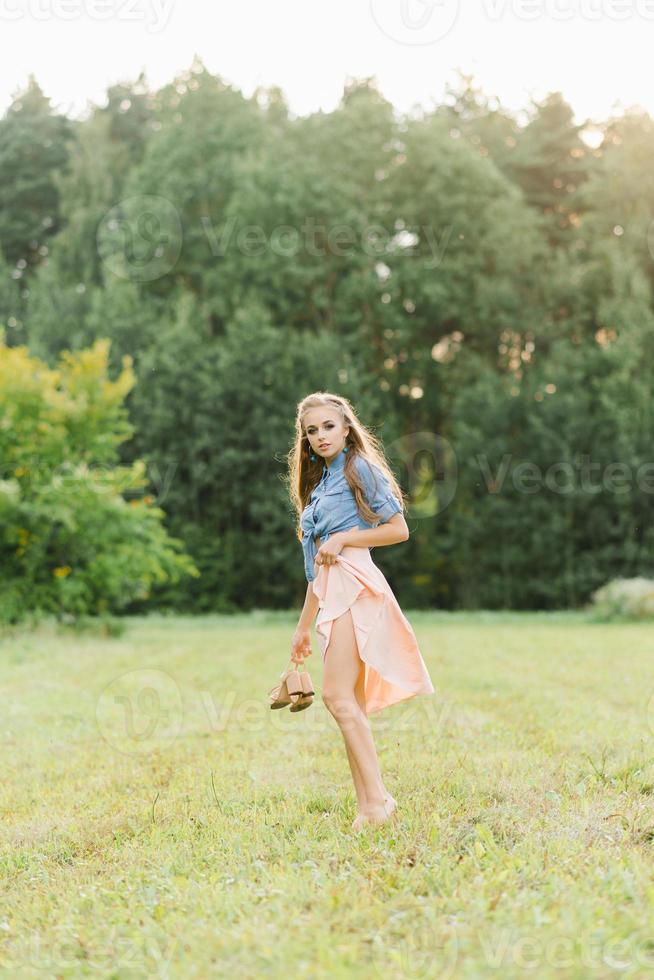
(377, 490)
(310, 552)
(309, 556)
(308, 543)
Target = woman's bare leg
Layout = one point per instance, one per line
(342, 675)
(357, 778)
(362, 801)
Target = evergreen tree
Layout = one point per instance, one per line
(34, 148)
(551, 163)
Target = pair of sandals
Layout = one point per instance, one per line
(295, 688)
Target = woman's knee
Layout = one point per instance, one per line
(332, 693)
(340, 702)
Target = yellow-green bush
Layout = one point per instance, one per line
(77, 534)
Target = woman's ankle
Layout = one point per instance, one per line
(376, 802)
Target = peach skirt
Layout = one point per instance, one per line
(394, 668)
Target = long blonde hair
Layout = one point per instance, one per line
(304, 475)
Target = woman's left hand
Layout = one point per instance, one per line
(326, 553)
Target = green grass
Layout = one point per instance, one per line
(166, 823)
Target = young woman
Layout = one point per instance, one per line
(348, 502)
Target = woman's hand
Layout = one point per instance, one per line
(301, 645)
(326, 553)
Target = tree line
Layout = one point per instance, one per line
(477, 283)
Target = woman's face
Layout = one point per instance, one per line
(325, 431)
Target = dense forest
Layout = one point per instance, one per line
(478, 284)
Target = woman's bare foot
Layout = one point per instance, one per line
(375, 816)
(359, 822)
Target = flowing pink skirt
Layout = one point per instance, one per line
(394, 668)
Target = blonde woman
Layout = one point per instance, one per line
(348, 501)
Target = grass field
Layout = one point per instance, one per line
(158, 820)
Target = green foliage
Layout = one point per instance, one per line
(551, 162)
(10, 302)
(620, 599)
(33, 149)
(550, 496)
(455, 273)
(70, 541)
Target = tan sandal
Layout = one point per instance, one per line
(295, 688)
(306, 698)
(294, 685)
(279, 696)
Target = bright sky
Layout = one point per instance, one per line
(597, 52)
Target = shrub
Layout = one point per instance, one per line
(631, 598)
(71, 544)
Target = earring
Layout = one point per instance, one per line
(345, 449)
(312, 458)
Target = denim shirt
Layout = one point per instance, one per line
(332, 506)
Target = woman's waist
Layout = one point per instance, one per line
(355, 553)
(329, 532)
(349, 547)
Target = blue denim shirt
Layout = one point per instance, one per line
(332, 506)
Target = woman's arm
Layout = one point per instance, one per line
(391, 532)
(301, 641)
(309, 609)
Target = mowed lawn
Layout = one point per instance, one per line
(159, 820)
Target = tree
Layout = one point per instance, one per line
(34, 147)
(70, 542)
(551, 163)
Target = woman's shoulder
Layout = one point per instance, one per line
(365, 467)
